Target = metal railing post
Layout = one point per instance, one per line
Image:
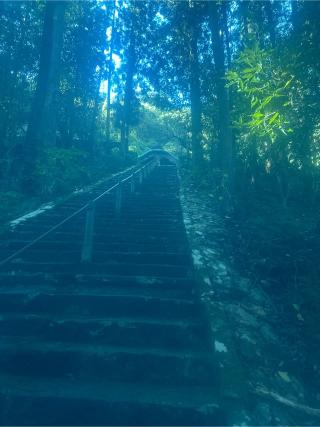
(87, 246)
(132, 184)
(118, 202)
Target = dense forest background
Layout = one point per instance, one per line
(232, 87)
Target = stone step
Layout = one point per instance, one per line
(110, 363)
(97, 287)
(109, 246)
(67, 401)
(114, 331)
(125, 269)
(104, 228)
(104, 212)
(121, 257)
(39, 282)
(103, 234)
(121, 304)
(133, 209)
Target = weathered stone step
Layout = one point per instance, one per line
(135, 222)
(109, 246)
(86, 361)
(100, 283)
(131, 210)
(104, 228)
(149, 270)
(103, 234)
(98, 305)
(121, 257)
(132, 213)
(112, 237)
(96, 288)
(67, 401)
(161, 197)
(154, 258)
(114, 331)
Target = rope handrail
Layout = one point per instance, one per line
(83, 208)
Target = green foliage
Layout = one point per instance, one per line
(263, 99)
(167, 129)
(11, 203)
(60, 170)
(275, 117)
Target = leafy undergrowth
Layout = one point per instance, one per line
(56, 178)
(13, 204)
(259, 272)
(279, 248)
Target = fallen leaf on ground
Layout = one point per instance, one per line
(285, 376)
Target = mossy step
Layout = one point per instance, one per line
(26, 401)
(46, 359)
(138, 305)
(121, 257)
(93, 279)
(54, 245)
(157, 333)
(103, 289)
(127, 269)
(101, 234)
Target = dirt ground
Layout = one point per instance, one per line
(256, 278)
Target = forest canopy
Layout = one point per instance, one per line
(230, 86)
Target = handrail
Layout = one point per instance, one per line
(87, 206)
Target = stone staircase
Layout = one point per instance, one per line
(121, 340)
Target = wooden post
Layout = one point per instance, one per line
(87, 246)
(118, 199)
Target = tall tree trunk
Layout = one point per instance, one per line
(49, 116)
(271, 24)
(110, 65)
(244, 20)
(45, 96)
(197, 155)
(127, 107)
(225, 133)
(93, 134)
(42, 123)
(224, 6)
(295, 14)
(123, 133)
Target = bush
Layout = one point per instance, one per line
(61, 170)
(10, 203)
